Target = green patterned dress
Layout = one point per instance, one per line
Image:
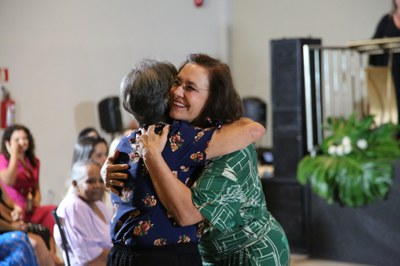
(238, 229)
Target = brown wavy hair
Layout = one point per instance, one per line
(30, 153)
(224, 104)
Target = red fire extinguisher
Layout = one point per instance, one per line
(7, 109)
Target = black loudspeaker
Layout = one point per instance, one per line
(288, 108)
(256, 109)
(287, 201)
(110, 115)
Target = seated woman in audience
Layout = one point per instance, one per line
(88, 132)
(17, 246)
(85, 217)
(90, 148)
(19, 174)
(95, 149)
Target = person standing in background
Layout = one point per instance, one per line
(389, 26)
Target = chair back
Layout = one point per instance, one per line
(64, 243)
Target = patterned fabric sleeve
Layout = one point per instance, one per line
(218, 195)
(239, 229)
(189, 142)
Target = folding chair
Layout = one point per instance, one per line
(64, 242)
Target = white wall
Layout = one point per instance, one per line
(255, 23)
(65, 56)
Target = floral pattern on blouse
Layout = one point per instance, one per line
(134, 157)
(160, 242)
(197, 157)
(199, 136)
(137, 147)
(200, 227)
(176, 141)
(143, 228)
(140, 219)
(149, 201)
(184, 168)
(126, 194)
(184, 239)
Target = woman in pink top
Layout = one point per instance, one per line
(19, 174)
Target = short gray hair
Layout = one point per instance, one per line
(145, 90)
(79, 172)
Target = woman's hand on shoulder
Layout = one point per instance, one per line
(153, 143)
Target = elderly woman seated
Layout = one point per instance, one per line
(84, 217)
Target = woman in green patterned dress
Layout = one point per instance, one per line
(228, 197)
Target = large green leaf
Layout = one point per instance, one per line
(360, 176)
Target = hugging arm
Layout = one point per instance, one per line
(175, 195)
(231, 137)
(234, 136)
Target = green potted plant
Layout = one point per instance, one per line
(354, 163)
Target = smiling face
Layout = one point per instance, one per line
(21, 138)
(189, 93)
(90, 188)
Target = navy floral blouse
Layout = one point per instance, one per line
(139, 217)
